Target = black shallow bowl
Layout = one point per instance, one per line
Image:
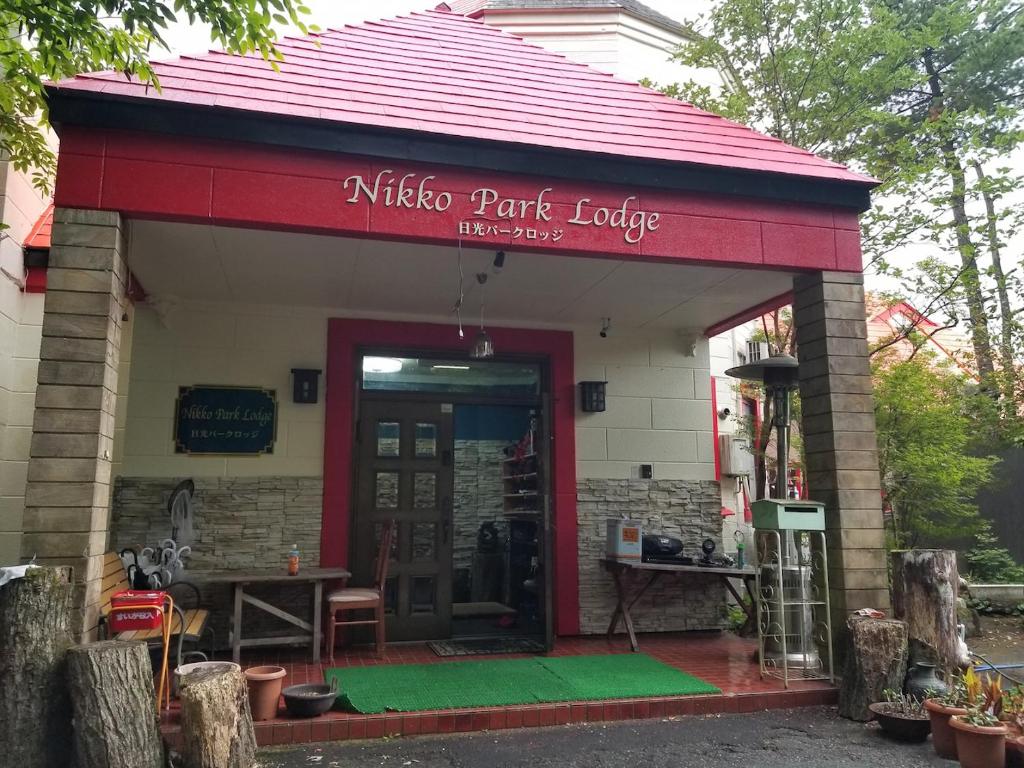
(309, 700)
(914, 730)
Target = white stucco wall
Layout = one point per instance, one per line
(21, 318)
(659, 408)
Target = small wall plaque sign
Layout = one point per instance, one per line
(225, 420)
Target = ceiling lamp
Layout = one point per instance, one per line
(381, 365)
(483, 346)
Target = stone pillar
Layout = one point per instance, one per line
(67, 499)
(838, 425)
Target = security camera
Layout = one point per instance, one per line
(724, 413)
(606, 327)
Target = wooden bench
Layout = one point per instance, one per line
(194, 620)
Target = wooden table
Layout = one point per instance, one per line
(239, 580)
(621, 569)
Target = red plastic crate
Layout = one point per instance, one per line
(135, 609)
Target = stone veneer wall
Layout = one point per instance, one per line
(240, 522)
(688, 509)
(478, 495)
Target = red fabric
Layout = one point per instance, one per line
(443, 73)
(748, 513)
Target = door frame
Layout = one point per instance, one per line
(346, 337)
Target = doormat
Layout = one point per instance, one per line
(486, 646)
(507, 682)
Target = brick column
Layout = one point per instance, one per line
(838, 424)
(67, 500)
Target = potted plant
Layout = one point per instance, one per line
(1013, 716)
(980, 736)
(902, 716)
(940, 710)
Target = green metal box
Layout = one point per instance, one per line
(789, 515)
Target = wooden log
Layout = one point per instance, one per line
(876, 659)
(216, 725)
(924, 592)
(111, 686)
(35, 633)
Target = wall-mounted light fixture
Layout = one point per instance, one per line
(305, 384)
(592, 399)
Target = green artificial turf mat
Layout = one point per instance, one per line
(503, 682)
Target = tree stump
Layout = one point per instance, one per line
(924, 592)
(35, 632)
(216, 725)
(111, 685)
(876, 659)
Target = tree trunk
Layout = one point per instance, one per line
(111, 684)
(35, 632)
(924, 592)
(970, 277)
(216, 725)
(876, 659)
(1007, 318)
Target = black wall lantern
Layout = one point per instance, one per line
(592, 396)
(305, 384)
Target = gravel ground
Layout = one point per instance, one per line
(812, 737)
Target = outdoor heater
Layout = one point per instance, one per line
(794, 626)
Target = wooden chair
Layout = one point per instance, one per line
(361, 599)
(187, 624)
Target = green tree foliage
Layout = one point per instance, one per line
(55, 39)
(925, 95)
(928, 455)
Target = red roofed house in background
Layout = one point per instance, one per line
(455, 228)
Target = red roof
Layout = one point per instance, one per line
(443, 73)
(39, 236)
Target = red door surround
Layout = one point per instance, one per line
(346, 336)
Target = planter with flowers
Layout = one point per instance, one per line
(980, 735)
(940, 709)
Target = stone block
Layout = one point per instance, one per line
(805, 281)
(841, 421)
(81, 374)
(845, 460)
(844, 479)
(89, 235)
(65, 544)
(77, 326)
(76, 349)
(67, 420)
(78, 303)
(652, 445)
(836, 403)
(66, 494)
(847, 578)
(81, 280)
(828, 310)
(81, 257)
(67, 396)
(838, 441)
(87, 216)
(832, 345)
(52, 445)
(827, 291)
(65, 519)
(854, 599)
(836, 383)
(831, 365)
(820, 329)
(67, 470)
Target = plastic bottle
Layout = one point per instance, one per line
(293, 561)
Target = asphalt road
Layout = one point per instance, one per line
(812, 737)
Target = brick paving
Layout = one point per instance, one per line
(722, 659)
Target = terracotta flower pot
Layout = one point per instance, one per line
(1014, 747)
(943, 739)
(264, 690)
(979, 746)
